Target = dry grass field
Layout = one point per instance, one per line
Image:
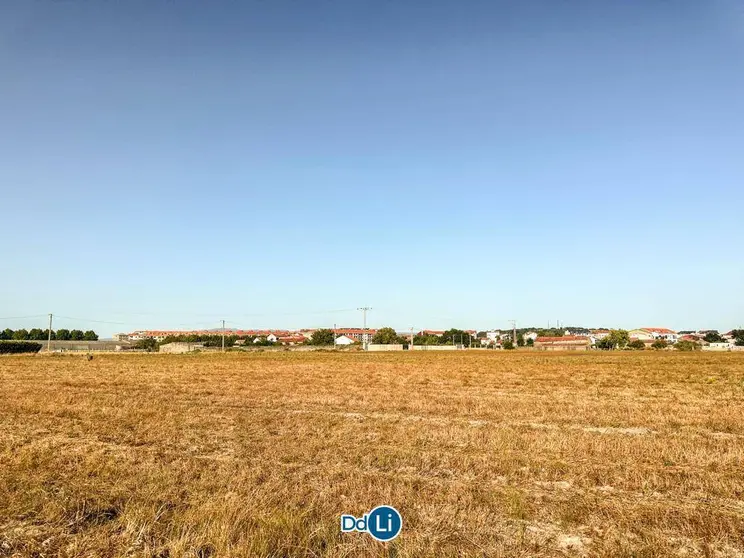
(484, 454)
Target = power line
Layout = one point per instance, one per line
(24, 317)
(92, 321)
(199, 315)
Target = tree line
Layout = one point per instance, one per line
(206, 340)
(18, 347)
(37, 334)
(388, 336)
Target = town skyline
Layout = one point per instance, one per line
(107, 330)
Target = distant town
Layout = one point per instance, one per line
(550, 339)
(385, 339)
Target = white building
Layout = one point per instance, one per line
(344, 340)
(271, 338)
(493, 335)
(653, 333)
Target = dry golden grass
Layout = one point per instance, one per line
(484, 454)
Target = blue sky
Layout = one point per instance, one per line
(451, 164)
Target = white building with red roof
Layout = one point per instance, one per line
(654, 333)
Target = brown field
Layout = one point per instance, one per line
(485, 454)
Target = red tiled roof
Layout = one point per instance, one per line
(562, 339)
(238, 332)
(691, 337)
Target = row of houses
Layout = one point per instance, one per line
(344, 336)
(647, 335)
(570, 340)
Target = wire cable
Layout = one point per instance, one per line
(91, 321)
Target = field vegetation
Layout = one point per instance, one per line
(485, 453)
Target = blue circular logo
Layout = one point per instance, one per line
(384, 523)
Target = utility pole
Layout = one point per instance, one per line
(411, 338)
(514, 332)
(49, 339)
(223, 336)
(365, 336)
(334, 336)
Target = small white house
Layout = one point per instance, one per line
(344, 340)
(271, 338)
(493, 335)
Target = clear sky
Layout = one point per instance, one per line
(167, 164)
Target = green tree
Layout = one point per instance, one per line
(425, 340)
(20, 335)
(659, 344)
(687, 346)
(76, 335)
(738, 337)
(6, 334)
(713, 337)
(387, 336)
(63, 335)
(619, 337)
(530, 342)
(454, 337)
(636, 345)
(507, 344)
(605, 344)
(148, 344)
(212, 340)
(616, 339)
(36, 334)
(520, 340)
(323, 337)
(90, 335)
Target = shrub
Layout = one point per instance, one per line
(508, 345)
(148, 345)
(659, 344)
(15, 347)
(687, 346)
(636, 345)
